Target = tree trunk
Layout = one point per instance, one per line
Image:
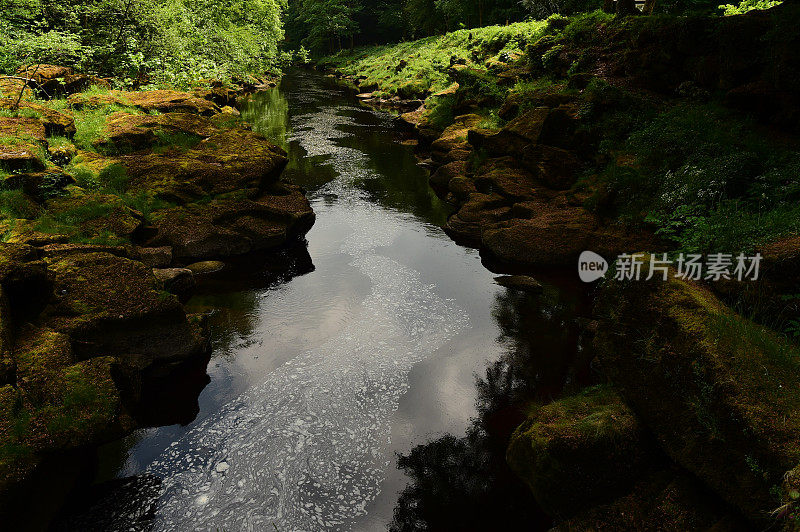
(608, 6)
(649, 6)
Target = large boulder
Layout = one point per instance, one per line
(580, 451)
(110, 305)
(232, 161)
(719, 392)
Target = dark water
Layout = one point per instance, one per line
(332, 359)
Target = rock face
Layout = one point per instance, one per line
(579, 451)
(720, 393)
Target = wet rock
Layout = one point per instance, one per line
(205, 267)
(155, 257)
(480, 210)
(178, 281)
(164, 101)
(682, 359)
(523, 283)
(555, 451)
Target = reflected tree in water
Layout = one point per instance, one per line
(464, 483)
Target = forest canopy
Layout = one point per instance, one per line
(161, 40)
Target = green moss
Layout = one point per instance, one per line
(555, 451)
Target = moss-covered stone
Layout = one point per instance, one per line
(232, 226)
(579, 451)
(164, 101)
(125, 132)
(22, 142)
(54, 122)
(719, 392)
(233, 161)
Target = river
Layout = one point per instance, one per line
(360, 346)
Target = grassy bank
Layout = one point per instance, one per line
(419, 68)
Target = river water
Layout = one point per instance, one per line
(321, 374)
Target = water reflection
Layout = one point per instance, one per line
(464, 483)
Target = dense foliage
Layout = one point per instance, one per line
(143, 40)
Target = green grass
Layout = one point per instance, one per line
(427, 59)
(89, 124)
(14, 204)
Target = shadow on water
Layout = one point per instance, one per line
(464, 483)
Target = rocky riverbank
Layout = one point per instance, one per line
(112, 203)
(566, 148)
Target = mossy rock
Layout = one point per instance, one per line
(579, 451)
(229, 226)
(22, 144)
(79, 406)
(228, 162)
(124, 132)
(164, 101)
(112, 305)
(88, 215)
(719, 392)
(54, 122)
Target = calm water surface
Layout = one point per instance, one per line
(367, 347)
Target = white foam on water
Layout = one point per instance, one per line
(308, 448)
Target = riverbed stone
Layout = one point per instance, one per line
(206, 267)
(178, 281)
